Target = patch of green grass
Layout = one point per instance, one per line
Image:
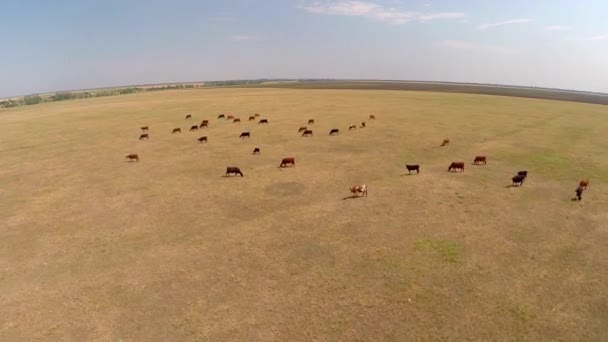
(448, 251)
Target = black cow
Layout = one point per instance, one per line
(233, 170)
(245, 135)
(334, 131)
(412, 167)
(518, 180)
(202, 139)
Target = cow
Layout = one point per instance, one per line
(176, 130)
(202, 139)
(252, 118)
(456, 166)
(194, 128)
(311, 121)
(144, 136)
(204, 124)
(132, 157)
(334, 131)
(256, 150)
(412, 167)
(245, 135)
(221, 116)
(445, 142)
(579, 193)
(583, 183)
(302, 129)
(480, 159)
(288, 161)
(236, 120)
(230, 117)
(233, 170)
(256, 114)
(372, 117)
(188, 116)
(307, 133)
(363, 125)
(518, 180)
(263, 121)
(351, 127)
(523, 173)
(359, 189)
(144, 128)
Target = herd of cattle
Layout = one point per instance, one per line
(356, 190)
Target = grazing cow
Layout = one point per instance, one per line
(351, 127)
(445, 142)
(202, 139)
(236, 120)
(205, 124)
(302, 129)
(245, 135)
(194, 128)
(176, 130)
(363, 124)
(233, 170)
(523, 173)
(288, 161)
(252, 118)
(221, 116)
(144, 128)
(230, 117)
(579, 193)
(583, 183)
(456, 166)
(144, 136)
(359, 189)
(311, 121)
(334, 131)
(256, 150)
(518, 180)
(412, 167)
(263, 121)
(188, 116)
(372, 117)
(480, 159)
(307, 132)
(256, 114)
(132, 157)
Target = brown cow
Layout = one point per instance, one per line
(372, 117)
(334, 131)
(359, 189)
(230, 117)
(144, 128)
(518, 180)
(252, 118)
(584, 183)
(202, 139)
(307, 133)
(311, 121)
(352, 127)
(236, 120)
(288, 161)
(456, 166)
(363, 124)
(221, 116)
(445, 142)
(233, 169)
(263, 121)
(412, 167)
(194, 128)
(480, 159)
(205, 124)
(144, 136)
(256, 150)
(245, 135)
(176, 130)
(256, 114)
(302, 129)
(188, 116)
(132, 157)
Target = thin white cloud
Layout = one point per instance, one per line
(374, 11)
(598, 37)
(503, 23)
(462, 45)
(245, 38)
(557, 28)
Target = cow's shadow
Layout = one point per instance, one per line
(352, 197)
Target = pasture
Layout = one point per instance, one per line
(93, 247)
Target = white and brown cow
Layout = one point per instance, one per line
(359, 189)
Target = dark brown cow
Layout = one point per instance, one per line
(263, 121)
(144, 128)
(456, 166)
(144, 136)
(480, 159)
(579, 193)
(245, 135)
(311, 121)
(236, 120)
(362, 125)
(256, 114)
(372, 117)
(230, 117)
(523, 173)
(221, 116)
(445, 142)
(176, 130)
(132, 157)
(252, 118)
(233, 170)
(352, 127)
(202, 139)
(256, 150)
(302, 129)
(194, 128)
(188, 116)
(288, 161)
(412, 167)
(205, 124)
(518, 180)
(334, 131)
(584, 183)
(307, 133)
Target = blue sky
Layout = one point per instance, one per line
(59, 45)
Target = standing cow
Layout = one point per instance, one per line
(412, 167)
(233, 170)
(288, 161)
(359, 189)
(455, 166)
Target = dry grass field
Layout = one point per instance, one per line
(95, 248)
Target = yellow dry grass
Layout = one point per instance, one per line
(95, 248)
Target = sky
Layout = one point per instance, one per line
(65, 45)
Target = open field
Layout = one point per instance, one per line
(95, 248)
